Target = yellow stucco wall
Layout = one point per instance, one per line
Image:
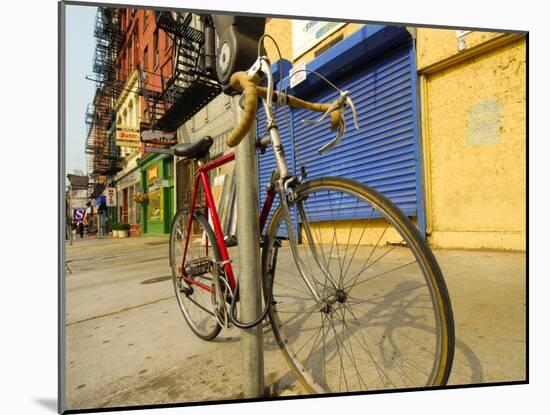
(281, 30)
(436, 45)
(474, 138)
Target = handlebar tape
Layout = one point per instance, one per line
(241, 81)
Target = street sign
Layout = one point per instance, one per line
(78, 214)
(110, 196)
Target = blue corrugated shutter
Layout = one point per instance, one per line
(381, 154)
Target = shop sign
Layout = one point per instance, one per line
(129, 179)
(110, 194)
(157, 184)
(308, 33)
(127, 137)
(153, 173)
(163, 138)
(161, 183)
(78, 214)
(157, 150)
(300, 71)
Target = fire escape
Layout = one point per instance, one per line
(190, 88)
(102, 152)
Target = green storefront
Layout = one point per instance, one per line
(157, 181)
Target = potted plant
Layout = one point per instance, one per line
(115, 228)
(124, 230)
(141, 197)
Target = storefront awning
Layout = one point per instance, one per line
(78, 182)
(101, 199)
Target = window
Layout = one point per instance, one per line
(145, 58)
(156, 48)
(154, 211)
(131, 205)
(131, 121)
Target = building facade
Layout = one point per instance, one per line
(441, 112)
(473, 91)
(144, 62)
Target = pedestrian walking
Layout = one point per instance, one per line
(81, 229)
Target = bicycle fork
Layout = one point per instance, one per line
(285, 192)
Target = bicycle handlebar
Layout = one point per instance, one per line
(242, 81)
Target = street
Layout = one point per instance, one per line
(128, 344)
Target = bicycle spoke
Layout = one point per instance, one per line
(197, 307)
(381, 274)
(340, 280)
(366, 266)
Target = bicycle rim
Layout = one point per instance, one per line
(385, 321)
(195, 302)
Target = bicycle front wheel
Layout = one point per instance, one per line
(362, 305)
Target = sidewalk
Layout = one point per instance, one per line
(127, 343)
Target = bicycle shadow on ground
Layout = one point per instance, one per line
(390, 314)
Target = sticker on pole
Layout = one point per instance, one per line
(78, 214)
(297, 74)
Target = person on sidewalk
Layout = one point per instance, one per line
(101, 218)
(81, 229)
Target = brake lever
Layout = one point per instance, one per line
(349, 103)
(333, 143)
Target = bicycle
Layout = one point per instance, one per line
(355, 304)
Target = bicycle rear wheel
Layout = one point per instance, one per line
(383, 319)
(194, 301)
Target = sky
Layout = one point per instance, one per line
(80, 45)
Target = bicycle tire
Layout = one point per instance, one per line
(201, 321)
(289, 325)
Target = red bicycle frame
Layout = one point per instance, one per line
(201, 177)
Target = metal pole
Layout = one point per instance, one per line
(70, 215)
(248, 237)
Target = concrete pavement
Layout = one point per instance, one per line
(128, 344)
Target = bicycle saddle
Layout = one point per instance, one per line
(195, 150)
